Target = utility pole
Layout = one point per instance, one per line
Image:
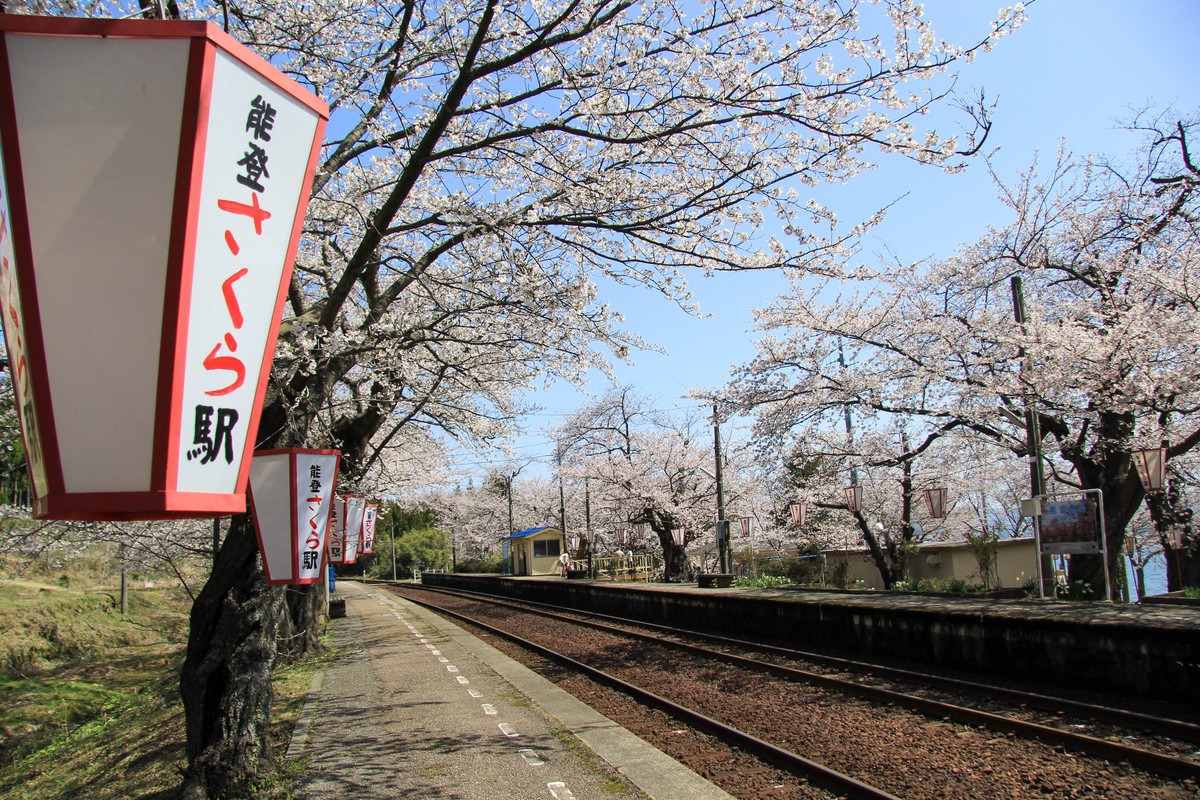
(849, 430)
(1033, 437)
(562, 507)
(124, 582)
(723, 559)
(587, 522)
(392, 520)
(508, 478)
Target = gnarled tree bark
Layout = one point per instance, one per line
(226, 677)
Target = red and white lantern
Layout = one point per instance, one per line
(337, 532)
(639, 530)
(799, 512)
(291, 497)
(1151, 465)
(679, 536)
(853, 497)
(935, 498)
(746, 524)
(353, 511)
(153, 181)
(368, 528)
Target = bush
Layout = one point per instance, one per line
(479, 562)
(801, 570)
(762, 582)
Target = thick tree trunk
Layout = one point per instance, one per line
(300, 626)
(226, 677)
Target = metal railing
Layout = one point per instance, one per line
(640, 567)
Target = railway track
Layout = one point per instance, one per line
(757, 697)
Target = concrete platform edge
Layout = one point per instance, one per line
(648, 768)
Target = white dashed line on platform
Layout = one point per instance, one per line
(559, 791)
(531, 757)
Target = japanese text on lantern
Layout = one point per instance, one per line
(337, 533)
(214, 426)
(311, 555)
(14, 329)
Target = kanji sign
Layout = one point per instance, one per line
(291, 496)
(337, 532)
(147, 233)
(368, 528)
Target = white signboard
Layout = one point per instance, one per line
(258, 142)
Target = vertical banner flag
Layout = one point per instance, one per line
(149, 231)
(291, 497)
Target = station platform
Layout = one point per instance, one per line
(414, 706)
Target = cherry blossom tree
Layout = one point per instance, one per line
(1105, 363)
(487, 165)
(644, 466)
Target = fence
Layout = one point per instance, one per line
(640, 567)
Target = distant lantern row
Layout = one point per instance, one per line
(300, 522)
(1150, 464)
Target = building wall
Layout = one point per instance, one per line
(1016, 562)
(528, 564)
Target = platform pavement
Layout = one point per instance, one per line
(416, 707)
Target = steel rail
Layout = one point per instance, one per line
(1175, 728)
(837, 782)
(1157, 763)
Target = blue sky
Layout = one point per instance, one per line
(1074, 72)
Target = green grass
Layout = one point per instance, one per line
(91, 705)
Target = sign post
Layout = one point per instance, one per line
(1073, 523)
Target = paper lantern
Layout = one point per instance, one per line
(935, 498)
(153, 179)
(354, 510)
(746, 526)
(1151, 465)
(291, 497)
(337, 532)
(853, 497)
(799, 512)
(370, 514)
